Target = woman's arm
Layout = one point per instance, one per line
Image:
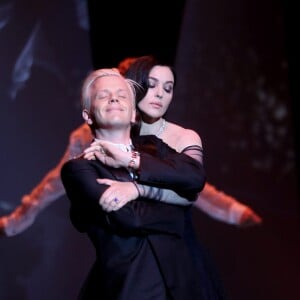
(156, 165)
(136, 217)
(126, 191)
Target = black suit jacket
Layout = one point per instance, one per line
(140, 250)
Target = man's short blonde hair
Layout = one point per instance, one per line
(93, 76)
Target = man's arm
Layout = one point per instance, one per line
(136, 217)
(48, 190)
(225, 208)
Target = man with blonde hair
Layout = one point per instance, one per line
(140, 249)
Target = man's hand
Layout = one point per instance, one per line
(19, 220)
(249, 218)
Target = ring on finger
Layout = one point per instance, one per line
(101, 150)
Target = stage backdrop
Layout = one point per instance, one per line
(44, 55)
(233, 89)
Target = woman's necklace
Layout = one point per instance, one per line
(161, 128)
(151, 128)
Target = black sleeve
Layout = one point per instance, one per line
(163, 167)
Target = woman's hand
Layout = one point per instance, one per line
(108, 153)
(117, 195)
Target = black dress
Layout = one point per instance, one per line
(208, 278)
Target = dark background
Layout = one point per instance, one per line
(237, 66)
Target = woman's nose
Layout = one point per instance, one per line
(159, 93)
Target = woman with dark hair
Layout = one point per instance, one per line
(159, 81)
(153, 98)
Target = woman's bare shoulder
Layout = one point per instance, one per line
(183, 137)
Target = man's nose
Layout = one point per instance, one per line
(113, 100)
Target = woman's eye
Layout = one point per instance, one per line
(151, 84)
(168, 89)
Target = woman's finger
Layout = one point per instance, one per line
(105, 181)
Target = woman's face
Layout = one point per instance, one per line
(159, 95)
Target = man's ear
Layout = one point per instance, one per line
(133, 117)
(86, 116)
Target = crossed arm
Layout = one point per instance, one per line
(179, 168)
(79, 178)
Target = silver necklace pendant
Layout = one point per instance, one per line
(161, 128)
